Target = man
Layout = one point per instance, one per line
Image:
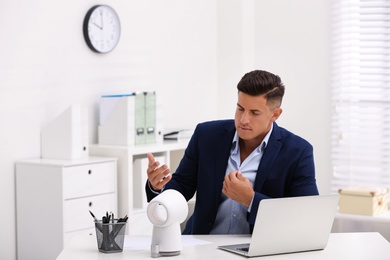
(233, 165)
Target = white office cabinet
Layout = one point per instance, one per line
(53, 200)
(131, 158)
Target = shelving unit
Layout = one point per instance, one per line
(172, 151)
(53, 199)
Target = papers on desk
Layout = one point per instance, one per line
(178, 135)
(143, 243)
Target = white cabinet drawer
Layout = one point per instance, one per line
(86, 180)
(76, 211)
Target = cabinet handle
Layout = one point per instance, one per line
(90, 203)
(89, 171)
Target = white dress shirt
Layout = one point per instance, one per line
(231, 215)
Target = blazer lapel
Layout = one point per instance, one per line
(223, 151)
(270, 153)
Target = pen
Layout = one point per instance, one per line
(108, 216)
(98, 225)
(93, 216)
(123, 219)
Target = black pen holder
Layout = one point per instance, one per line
(110, 236)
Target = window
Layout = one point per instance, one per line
(360, 93)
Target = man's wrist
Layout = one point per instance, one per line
(153, 190)
(250, 205)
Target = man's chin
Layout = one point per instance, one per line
(244, 136)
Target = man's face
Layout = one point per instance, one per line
(253, 118)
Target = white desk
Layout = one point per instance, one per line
(340, 246)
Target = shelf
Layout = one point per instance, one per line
(66, 163)
(147, 148)
(132, 176)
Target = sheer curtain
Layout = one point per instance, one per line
(360, 93)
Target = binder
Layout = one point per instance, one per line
(139, 118)
(66, 136)
(129, 119)
(150, 117)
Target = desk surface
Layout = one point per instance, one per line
(355, 246)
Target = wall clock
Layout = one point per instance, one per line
(101, 28)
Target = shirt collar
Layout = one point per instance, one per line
(261, 147)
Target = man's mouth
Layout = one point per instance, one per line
(244, 128)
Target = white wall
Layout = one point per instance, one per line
(297, 47)
(291, 39)
(192, 53)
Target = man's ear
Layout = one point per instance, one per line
(276, 113)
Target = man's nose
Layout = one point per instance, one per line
(244, 118)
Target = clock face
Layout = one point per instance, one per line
(102, 28)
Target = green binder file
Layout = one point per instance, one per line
(150, 117)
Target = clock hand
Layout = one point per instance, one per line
(101, 19)
(98, 26)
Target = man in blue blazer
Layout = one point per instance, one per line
(231, 165)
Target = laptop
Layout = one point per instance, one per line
(290, 225)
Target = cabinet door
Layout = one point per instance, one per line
(76, 211)
(89, 179)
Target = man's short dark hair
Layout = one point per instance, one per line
(260, 82)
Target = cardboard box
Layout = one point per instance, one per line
(363, 200)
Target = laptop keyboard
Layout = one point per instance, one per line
(245, 249)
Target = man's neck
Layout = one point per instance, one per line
(247, 147)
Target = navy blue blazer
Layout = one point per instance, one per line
(286, 170)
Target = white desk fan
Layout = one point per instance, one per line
(166, 212)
